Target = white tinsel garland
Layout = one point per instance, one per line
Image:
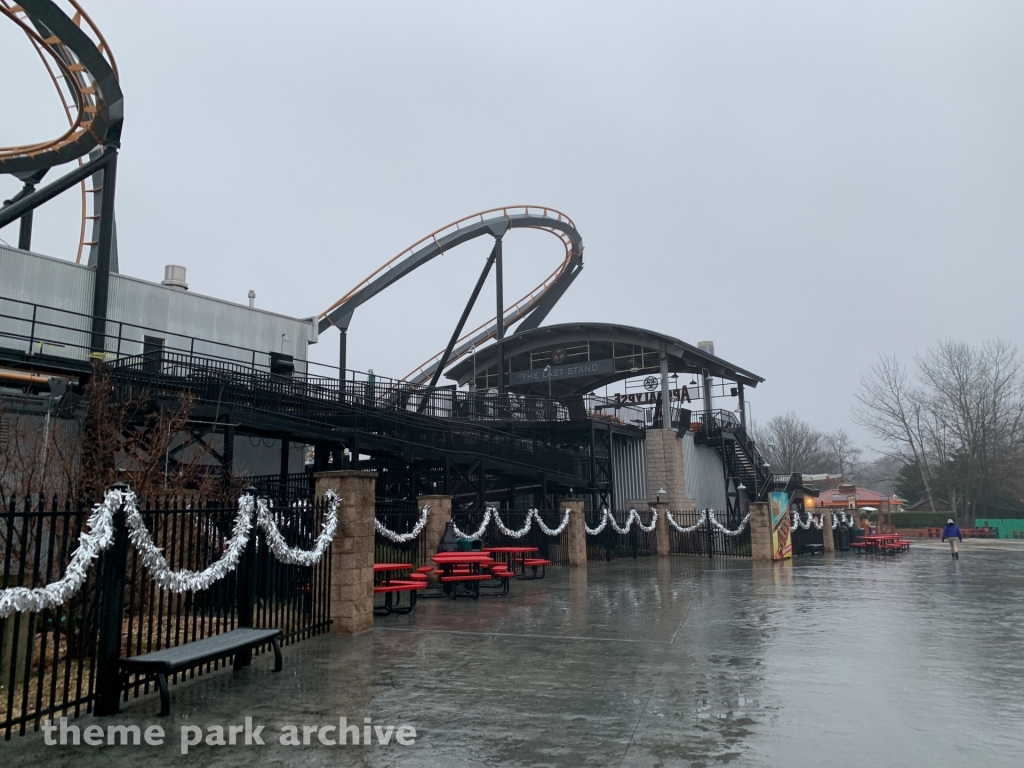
(605, 515)
(722, 528)
(634, 516)
(506, 531)
(532, 515)
(293, 555)
(701, 519)
(552, 531)
(90, 544)
(188, 581)
(479, 532)
(401, 538)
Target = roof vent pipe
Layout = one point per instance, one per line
(174, 277)
(252, 298)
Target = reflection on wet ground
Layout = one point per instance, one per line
(839, 661)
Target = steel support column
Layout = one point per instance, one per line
(101, 290)
(460, 325)
(499, 288)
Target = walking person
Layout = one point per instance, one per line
(952, 533)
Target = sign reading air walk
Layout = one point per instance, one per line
(782, 543)
(569, 371)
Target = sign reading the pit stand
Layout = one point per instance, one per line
(570, 371)
(782, 542)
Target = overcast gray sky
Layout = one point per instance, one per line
(806, 184)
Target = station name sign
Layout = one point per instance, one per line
(568, 371)
(651, 398)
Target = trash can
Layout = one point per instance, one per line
(470, 545)
(856, 534)
(842, 538)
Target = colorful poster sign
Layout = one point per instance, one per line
(782, 543)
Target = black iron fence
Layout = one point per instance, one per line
(399, 516)
(707, 540)
(50, 661)
(610, 544)
(554, 548)
(297, 486)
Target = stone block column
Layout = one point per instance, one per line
(826, 530)
(760, 532)
(665, 470)
(575, 532)
(352, 549)
(440, 515)
(661, 530)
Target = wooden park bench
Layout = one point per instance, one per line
(180, 658)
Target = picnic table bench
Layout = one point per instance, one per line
(169, 661)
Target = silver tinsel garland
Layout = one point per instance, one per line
(634, 516)
(479, 531)
(604, 521)
(722, 528)
(701, 519)
(552, 531)
(90, 544)
(293, 555)
(188, 581)
(401, 538)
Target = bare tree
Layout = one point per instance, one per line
(977, 407)
(845, 455)
(894, 411)
(790, 444)
(961, 426)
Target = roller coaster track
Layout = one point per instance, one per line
(84, 73)
(495, 222)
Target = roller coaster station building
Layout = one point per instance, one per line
(508, 413)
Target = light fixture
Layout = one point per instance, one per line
(766, 465)
(662, 492)
(693, 381)
(741, 487)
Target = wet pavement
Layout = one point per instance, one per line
(842, 660)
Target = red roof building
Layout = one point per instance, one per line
(848, 496)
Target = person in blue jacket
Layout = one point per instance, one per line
(952, 533)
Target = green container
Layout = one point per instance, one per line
(469, 545)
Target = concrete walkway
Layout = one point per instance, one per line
(839, 661)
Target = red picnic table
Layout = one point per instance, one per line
(885, 542)
(518, 556)
(392, 589)
(470, 569)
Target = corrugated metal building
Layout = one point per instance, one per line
(57, 294)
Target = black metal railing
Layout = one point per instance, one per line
(375, 408)
(49, 660)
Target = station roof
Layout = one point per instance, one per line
(586, 356)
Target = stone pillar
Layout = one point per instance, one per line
(352, 549)
(661, 530)
(665, 469)
(826, 530)
(575, 532)
(440, 514)
(760, 532)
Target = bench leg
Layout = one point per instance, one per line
(165, 694)
(276, 641)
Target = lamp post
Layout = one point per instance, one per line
(547, 372)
